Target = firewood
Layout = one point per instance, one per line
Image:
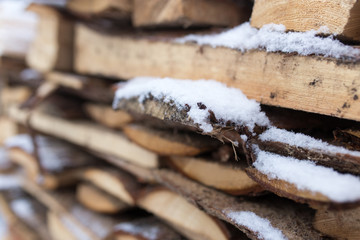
(149, 228)
(224, 177)
(169, 143)
(88, 135)
(118, 183)
(8, 128)
(338, 16)
(292, 220)
(348, 137)
(98, 200)
(106, 116)
(180, 214)
(114, 9)
(52, 47)
(59, 162)
(185, 13)
(141, 56)
(90, 88)
(341, 224)
(14, 95)
(58, 229)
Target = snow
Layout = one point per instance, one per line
(9, 181)
(306, 175)
(23, 208)
(274, 38)
(303, 141)
(145, 230)
(78, 232)
(230, 104)
(261, 226)
(4, 159)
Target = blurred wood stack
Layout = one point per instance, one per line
(74, 168)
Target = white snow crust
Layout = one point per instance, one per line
(227, 103)
(9, 181)
(306, 175)
(147, 232)
(274, 38)
(261, 226)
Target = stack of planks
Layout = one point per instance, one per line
(154, 119)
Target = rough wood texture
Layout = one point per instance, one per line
(53, 45)
(186, 218)
(169, 143)
(114, 9)
(106, 116)
(98, 200)
(224, 177)
(94, 89)
(185, 13)
(118, 183)
(276, 79)
(343, 224)
(88, 135)
(341, 17)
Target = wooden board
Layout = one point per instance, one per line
(275, 79)
(223, 177)
(185, 13)
(169, 143)
(341, 17)
(53, 45)
(114, 9)
(88, 135)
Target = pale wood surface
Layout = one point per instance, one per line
(105, 115)
(185, 13)
(88, 135)
(341, 17)
(53, 45)
(308, 83)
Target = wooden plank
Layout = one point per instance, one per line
(185, 13)
(341, 17)
(271, 78)
(88, 135)
(53, 45)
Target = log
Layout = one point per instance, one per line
(225, 177)
(88, 135)
(59, 163)
(278, 79)
(94, 89)
(98, 200)
(8, 128)
(106, 116)
(53, 45)
(338, 16)
(181, 215)
(341, 224)
(14, 95)
(167, 143)
(113, 9)
(118, 183)
(186, 13)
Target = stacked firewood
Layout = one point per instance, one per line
(178, 119)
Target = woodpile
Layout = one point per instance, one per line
(179, 119)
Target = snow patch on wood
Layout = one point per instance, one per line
(200, 96)
(274, 38)
(261, 226)
(306, 175)
(303, 141)
(9, 181)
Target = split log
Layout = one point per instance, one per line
(148, 228)
(14, 95)
(185, 13)
(114, 9)
(167, 143)
(338, 16)
(106, 116)
(348, 137)
(8, 128)
(98, 200)
(342, 224)
(94, 89)
(186, 218)
(53, 45)
(225, 177)
(59, 163)
(88, 135)
(118, 183)
(125, 57)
